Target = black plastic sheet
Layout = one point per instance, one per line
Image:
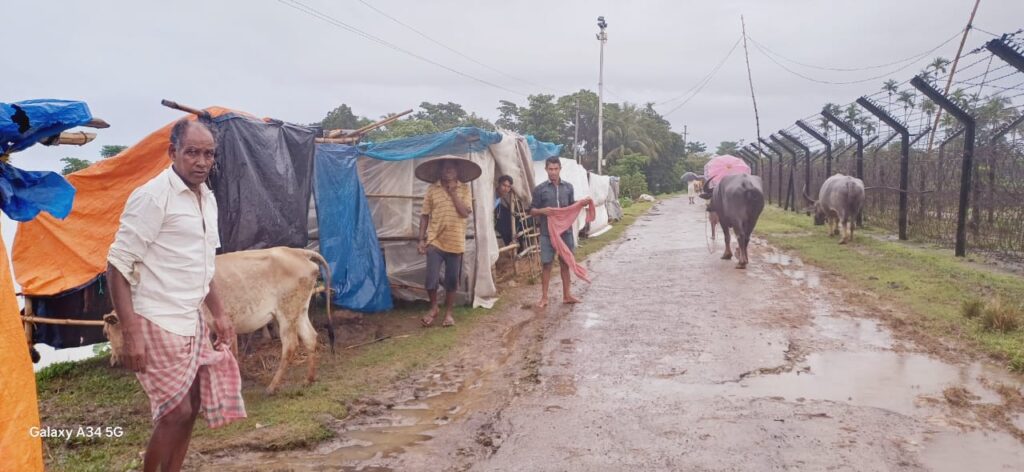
(262, 182)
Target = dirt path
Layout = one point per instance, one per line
(677, 361)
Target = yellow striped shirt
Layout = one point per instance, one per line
(447, 230)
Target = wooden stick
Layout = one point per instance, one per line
(98, 123)
(378, 124)
(387, 195)
(510, 247)
(185, 108)
(79, 138)
(55, 321)
(344, 140)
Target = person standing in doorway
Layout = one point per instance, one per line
(443, 218)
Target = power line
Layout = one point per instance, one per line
(696, 89)
(829, 82)
(856, 69)
(297, 5)
(428, 38)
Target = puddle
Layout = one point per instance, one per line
(784, 260)
(856, 330)
(369, 440)
(592, 319)
(887, 380)
(977, 450)
(859, 331)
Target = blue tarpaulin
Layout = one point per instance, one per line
(22, 124)
(454, 141)
(23, 194)
(348, 239)
(540, 150)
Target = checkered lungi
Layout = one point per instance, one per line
(172, 364)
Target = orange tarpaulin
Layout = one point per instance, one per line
(52, 256)
(19, 409)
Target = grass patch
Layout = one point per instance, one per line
(90, 393)
(939, 289)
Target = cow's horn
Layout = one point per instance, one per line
(808, 197)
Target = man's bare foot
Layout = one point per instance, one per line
(428, 319)
(570, 300)
(448, 320)
(543, 303)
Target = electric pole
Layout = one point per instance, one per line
(603, 38)
(576, 130)
(684, 140)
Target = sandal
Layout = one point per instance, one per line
(428, 320)
(448, 322)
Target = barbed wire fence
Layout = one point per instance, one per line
(965, 189)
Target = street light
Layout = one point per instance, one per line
(603, 38)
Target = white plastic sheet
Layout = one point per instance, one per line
(397, 216)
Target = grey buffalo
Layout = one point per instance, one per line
(737, 202)
(839, 202)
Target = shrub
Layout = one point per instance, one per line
(972, 308)
(1002, 317)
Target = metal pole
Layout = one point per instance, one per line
(807, 164)
(968, 161)
(904, 158)
(784, 202)
(770, 169)
(602, 37)
(576, 138)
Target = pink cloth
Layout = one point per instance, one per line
(172, 364)
(559, 221)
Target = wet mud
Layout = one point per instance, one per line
(676, 360)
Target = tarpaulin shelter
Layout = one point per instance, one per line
(345, 232)
(540, 150)
(24, 195)
(601, 192)
(261, 180)
(395, 198)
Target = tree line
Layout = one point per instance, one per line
(639, 145)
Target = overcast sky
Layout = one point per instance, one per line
(267, 58)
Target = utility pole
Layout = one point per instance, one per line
(684, 140)
(952, 71)
(576, 130)
(603, 38)
(750, 79)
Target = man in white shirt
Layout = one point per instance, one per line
(160, 270)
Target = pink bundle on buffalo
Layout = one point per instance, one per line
(721, 166)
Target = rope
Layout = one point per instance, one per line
(710, 243)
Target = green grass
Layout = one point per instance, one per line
(930, 283)
(90, 393)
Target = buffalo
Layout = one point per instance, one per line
(737, 202)
(839, 203)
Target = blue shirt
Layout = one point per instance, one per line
(548, 195)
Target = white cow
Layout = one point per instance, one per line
(256, 287)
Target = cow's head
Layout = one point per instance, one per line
(814, 208)
(112, 331)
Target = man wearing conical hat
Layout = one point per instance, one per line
(443, 218)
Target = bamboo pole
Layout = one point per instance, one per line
(77, 138)
(391, 195)
(185, 108)
(64, 322)
(344, 140)
(337, 133)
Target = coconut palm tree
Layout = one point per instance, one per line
(907, 99)
(890, 86)
(939, 65)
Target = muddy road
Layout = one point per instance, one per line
(677, 361)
